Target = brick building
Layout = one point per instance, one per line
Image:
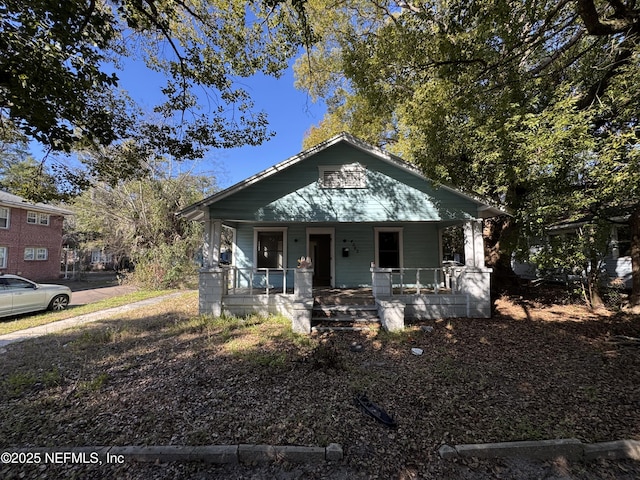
(30, 237)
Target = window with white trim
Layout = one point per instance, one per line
(388, 246)
(351, 175)
(621, 241)
(35, 253)
(270, 247)
(4, 217)
(36, 218)
(3, 257)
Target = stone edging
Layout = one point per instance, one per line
(233, 454)
(569, 448)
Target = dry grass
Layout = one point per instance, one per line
(22, 322)
(167, 376)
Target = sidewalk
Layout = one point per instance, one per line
(42, 330)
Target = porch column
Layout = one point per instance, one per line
(211, 289)
(302, 300)
(475, 278)
(473, 244)
(381, 282)
(303, 283)
(212, 240)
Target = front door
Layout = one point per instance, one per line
(320, 253)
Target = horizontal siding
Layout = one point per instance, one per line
(297, 244)
(620, 269)
(392, 194)
(354, 270)
(420, 248)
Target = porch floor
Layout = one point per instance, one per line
(343, 296)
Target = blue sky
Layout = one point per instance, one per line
(290, 111)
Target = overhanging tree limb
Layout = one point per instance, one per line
(623, 20)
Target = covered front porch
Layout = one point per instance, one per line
(400, 294)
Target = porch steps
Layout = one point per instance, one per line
(338, 317)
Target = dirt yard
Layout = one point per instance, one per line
(165, 376)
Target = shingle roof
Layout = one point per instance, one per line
(10, 200)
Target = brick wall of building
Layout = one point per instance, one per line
(22, 235)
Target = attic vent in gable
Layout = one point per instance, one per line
(343, 176)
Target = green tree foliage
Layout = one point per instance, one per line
(13, 144)
(135, 220)
(59, 63)
(22, 175)
(29, 179)
(531, 104)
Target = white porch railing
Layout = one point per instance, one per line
(425, 280)
(250, 281)
(243, 281)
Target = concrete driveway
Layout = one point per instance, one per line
(92, 287)
(84, 296)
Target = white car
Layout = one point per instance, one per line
(19, 295)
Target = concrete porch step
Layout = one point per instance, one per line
(329, 311)
(342, 329)
(347, 318)
(351, 309)
(344, 317)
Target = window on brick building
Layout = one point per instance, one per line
(3, 257)
(36, 218)
(4, 217)
(36, 253)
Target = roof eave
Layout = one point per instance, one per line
(37, 207)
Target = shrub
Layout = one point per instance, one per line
(165, 266)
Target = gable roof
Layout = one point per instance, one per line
(10, 200)
(196, 211)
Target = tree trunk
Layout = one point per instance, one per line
(594, 285)
(634, 224)
(497, 232)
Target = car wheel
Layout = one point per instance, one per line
(59, 302)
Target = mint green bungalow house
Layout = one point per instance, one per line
(341, 215)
